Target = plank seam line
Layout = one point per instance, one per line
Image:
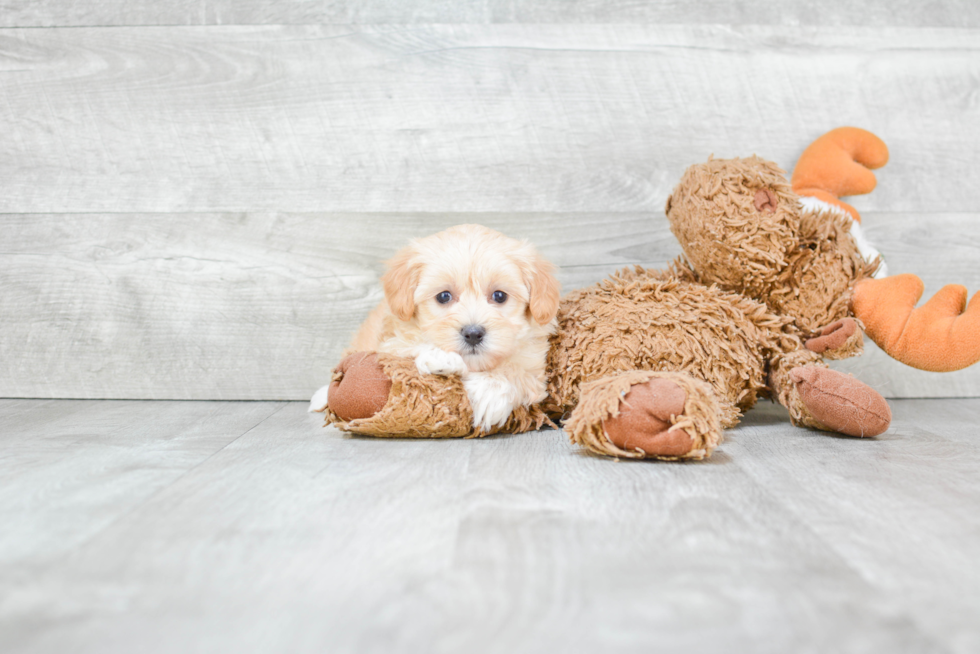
(157, 492)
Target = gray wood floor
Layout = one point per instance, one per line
(245, 526)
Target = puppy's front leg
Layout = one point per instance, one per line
(492, 399)
(433, 361)
(494, 395)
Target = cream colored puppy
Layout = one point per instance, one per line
(468, 301)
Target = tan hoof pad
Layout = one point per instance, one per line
(360, 388)
(840, 402)
(644, 422)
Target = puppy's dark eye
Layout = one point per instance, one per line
(499, 297)
(444, 297)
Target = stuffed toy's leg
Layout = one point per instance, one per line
(383, 395)
(826, 399)
(643, 414)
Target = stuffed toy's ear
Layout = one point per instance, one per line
(400, 282)
(544, 289)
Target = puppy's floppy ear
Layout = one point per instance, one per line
(400, 282)
(544, 289)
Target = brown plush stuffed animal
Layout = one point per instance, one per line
(652, 363)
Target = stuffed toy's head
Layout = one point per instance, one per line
(801, 250)
(737, 221)
(743, 228)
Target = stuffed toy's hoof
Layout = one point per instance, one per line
(644, 417)
(384, 395)
(841, 403)
(360, 387)
(643, 414)
(839, 340)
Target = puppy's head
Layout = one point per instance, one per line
(473, 291)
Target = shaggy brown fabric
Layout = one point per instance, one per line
(783, 388)
(815, 287)
(423, 406)
(418, 406)
(601, 401)
(841, 403)
(651, 320)
(521, 420)
(732, 235)
(806, 273)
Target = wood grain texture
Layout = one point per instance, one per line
(71, 468)
(442, 118)
(259, 306)
(295, 538)
(202, 212)
(221, 306)
(849, 481)
(879, 13)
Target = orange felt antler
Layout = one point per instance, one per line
(837, 164)
(939, 336)
(943, 334)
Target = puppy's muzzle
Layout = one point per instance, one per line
(473, 334)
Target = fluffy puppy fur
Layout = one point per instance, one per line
(473, 302)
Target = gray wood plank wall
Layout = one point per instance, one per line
(879, 13)
(197, 197)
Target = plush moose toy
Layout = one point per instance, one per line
(656, 363)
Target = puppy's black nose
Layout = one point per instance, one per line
(473, 334)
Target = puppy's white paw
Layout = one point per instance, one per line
(492, 400)
(319, 400)
(440, 362)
